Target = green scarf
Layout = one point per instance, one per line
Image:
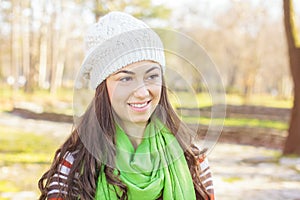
(157, 167)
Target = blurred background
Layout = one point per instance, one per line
(254, 44)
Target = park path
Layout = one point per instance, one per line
(240, 171)
(247, 172)
(55, 129)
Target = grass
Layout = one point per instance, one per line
(25, 147)
(16, 141)
(240, 122)
(260, 100)
(182, 99)
(25, 156)
(7, 186)
(232, 179)
(60, 102)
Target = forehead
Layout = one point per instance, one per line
(140, 66)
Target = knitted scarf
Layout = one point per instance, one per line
(157, 167)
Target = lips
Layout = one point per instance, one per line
(139, 106)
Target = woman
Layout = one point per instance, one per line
(129, 144)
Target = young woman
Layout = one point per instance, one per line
(129, 144)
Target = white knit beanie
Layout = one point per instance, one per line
(117, 40)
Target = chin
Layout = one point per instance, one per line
(140, 120)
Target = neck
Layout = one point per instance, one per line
(134, 131)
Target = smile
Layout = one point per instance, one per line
(139, 105)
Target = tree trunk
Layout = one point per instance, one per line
(43, 52)
(43, 57)
(59, 50)
(26, 45)
(34, 54)
(292, 144)
(15, 50)
(54, 51)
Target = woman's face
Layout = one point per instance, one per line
(134, 91)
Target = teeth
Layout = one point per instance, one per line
(138, 105)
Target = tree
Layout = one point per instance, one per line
(26, 46)
(247, 44)
(15, 37)
(144, 9)
(293, 140)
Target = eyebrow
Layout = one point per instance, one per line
(152, 68)
(132, 73)
(125, 71)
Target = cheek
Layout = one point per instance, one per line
(117, 95)
(157, 92)
(113, 93)
(110, 90)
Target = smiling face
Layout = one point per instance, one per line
(134, 91)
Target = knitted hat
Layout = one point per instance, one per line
(117, 40)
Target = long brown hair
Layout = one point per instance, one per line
(84, 185)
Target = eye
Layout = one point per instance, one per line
(125, 79)
(153, 76)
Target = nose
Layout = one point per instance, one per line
(141, 91)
